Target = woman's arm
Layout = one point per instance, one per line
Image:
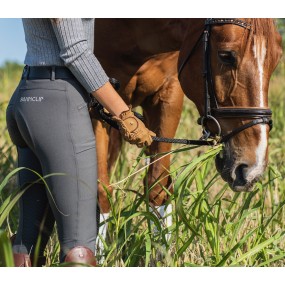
(110, 99)
(77, 55)
(79, 58)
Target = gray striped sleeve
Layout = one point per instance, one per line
(76, 54)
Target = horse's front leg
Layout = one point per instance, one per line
(108, 143)
(162, 112)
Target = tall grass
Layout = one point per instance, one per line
(212, 226)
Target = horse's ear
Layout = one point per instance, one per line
(192, 35)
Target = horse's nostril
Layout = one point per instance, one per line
(240, 175)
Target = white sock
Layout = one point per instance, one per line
(165, 213)
(147, 160)
(102, 232)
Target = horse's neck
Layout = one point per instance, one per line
(138, 38)
(158, 35)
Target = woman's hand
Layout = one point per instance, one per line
(133, 129)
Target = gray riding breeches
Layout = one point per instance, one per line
(48, 121)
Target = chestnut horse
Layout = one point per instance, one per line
(142, 54)
(224, 68)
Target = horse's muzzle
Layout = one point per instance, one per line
(238, 175)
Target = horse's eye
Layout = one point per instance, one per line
(227, 57)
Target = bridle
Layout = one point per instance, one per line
(212, 111)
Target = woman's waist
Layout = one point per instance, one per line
(52, 72)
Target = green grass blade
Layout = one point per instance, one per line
(147, 249)
(8, 177)
(7, 210)
(185, 173)
(273, 259)
(5, 204)
(6, 254)
(232, 251)
(258, 248)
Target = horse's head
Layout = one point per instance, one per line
(237, 59)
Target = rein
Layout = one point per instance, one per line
(212, 111)
(107, 118)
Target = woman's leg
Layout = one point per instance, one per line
(59, 131)
(36, 218)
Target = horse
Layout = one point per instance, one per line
(222, 65)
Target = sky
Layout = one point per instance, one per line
(12, 40)
(12, 43)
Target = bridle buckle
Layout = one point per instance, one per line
(206, 133)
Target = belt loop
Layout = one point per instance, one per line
(52, 73)
(26, 72)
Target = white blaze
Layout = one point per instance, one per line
(259, 51)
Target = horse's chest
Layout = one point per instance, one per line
(151, 77)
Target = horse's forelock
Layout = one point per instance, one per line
(264, 28)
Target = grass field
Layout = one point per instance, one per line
(212, 226)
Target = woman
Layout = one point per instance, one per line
(48, 121)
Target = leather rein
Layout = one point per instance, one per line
(212, 111)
